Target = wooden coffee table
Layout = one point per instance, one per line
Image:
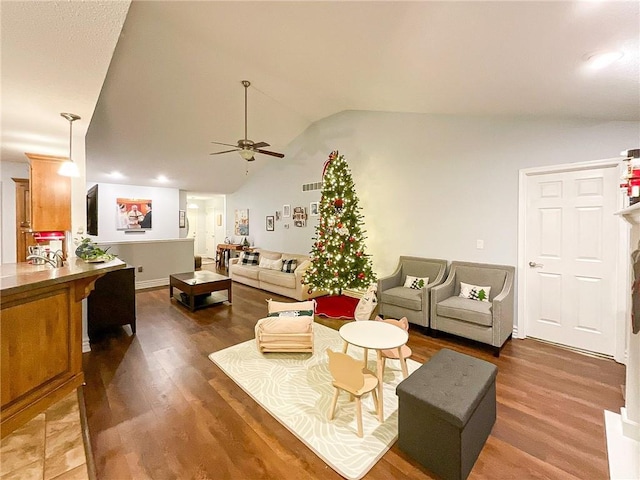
(200, 284)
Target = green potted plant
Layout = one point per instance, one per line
(91, 253)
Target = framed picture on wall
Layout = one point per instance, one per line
(286, 211)
(270, 223)
(313, 209)
(133, 214)
(242, 222)
(299, 217)
(182, 219)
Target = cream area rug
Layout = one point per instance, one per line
(296, 389)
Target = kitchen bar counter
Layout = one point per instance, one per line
(41, 324)
(19, 277)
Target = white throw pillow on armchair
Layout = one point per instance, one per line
(416, 282)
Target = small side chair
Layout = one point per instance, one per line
(393, 352)
(348, 375)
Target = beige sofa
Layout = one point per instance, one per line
(275, 281)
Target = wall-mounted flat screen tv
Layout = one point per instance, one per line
(92, 210)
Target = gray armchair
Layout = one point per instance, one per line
(397, 301)
(487, 322)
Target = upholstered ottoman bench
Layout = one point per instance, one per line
(446, 410)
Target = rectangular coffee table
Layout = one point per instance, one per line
(200, 284)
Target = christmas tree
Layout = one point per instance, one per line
(338, 253)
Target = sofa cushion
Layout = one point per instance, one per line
(269, 254)
(292, 313)
(285, 325)
(466, 310)
(270, 264)
(297, 256)
(249, 271)
(403, 297)
(278, 278)
(492, 277)
(274, 306)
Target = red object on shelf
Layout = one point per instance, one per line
(47, 236)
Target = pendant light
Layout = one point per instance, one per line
(69, 168)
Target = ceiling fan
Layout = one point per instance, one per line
(247, 148)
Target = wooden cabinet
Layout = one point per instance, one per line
(41, 325)
(24, 239)
(113, 302)
(50, 194)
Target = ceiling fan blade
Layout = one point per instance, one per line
(260, 145)
(225, 151)
(273, 154)
(225, 144)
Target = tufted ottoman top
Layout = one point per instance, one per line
(450, 385)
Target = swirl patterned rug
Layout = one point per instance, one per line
(296, 389)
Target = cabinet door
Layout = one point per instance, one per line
(24, 239)
(50, 195)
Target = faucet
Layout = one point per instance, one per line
(52, 258)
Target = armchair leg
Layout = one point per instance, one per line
(496, 352)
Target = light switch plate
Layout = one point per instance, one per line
(479, 244)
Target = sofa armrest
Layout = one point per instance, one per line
(302, 268)
(391, 281)
(502, 309)
(445, 289)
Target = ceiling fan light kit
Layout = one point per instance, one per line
(245, 147)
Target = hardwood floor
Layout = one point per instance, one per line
(158, 408)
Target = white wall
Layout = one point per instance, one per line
(165, 202)
(9, 170)
(428, 185)
(156, 258)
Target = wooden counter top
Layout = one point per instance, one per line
(21, 277)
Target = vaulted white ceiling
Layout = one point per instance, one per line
(173, 84)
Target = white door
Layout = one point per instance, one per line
(192, 218)
(570, 254)
(210, 243)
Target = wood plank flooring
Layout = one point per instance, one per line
(158, 408)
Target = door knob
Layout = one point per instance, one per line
(535, 265)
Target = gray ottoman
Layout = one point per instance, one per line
(446, 410)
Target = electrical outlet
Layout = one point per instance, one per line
(479, 244)
(140, 269)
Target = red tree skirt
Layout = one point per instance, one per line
(336, 306)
